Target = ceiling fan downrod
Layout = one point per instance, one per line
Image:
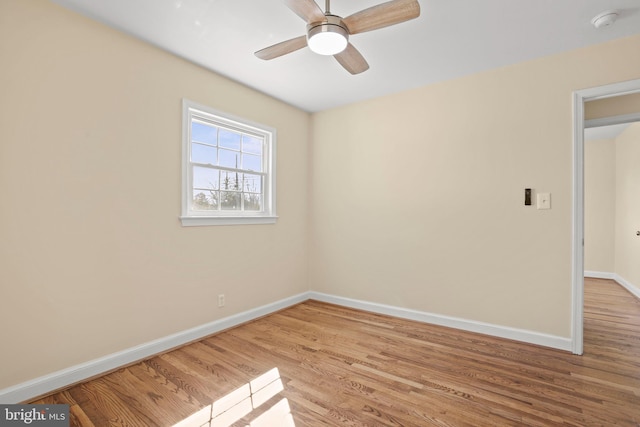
(327, 7)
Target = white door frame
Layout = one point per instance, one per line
(577, 288)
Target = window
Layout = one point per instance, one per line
(228, 169)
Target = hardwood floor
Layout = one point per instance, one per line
(317, 364)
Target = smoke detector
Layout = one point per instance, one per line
(605, 19)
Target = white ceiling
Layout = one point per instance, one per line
(605, 132)
(450, 39)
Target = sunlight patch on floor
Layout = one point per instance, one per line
(278, 415)
(242, 401)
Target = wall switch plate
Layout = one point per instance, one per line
(544, 201)
(221, 300)
(527, 197)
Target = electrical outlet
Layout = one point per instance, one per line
(221, 300)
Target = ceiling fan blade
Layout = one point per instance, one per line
(383, 15)
(306, 9)
(282, 48)
(352, 60)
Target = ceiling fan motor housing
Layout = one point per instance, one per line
(332, 26)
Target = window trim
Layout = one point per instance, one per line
(192, 109)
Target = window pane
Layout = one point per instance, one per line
(231, 180)
(229, 159)
(252, 183)
(203, 133)
(251, 162)
(230, 200)
(205, 178)
(203, 154)
(251, 144)
(252, 202)
(229, 139)
(205, 200)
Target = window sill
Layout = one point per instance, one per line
(199, 221)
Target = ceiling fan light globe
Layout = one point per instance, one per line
(327, 39)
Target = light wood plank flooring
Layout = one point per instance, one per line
(317, 364)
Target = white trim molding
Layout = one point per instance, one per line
(615, 120)
(627, 285)
(196, 221)
(515, 334)
(75, 374)
(599, 275)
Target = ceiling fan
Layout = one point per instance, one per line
(328, 34)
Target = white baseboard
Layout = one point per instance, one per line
(63, 378)
(627, 285)
(599, 275)
(522, 335)
(617, 278)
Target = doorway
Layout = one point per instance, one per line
(579, 99)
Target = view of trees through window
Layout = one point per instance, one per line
(227, 168)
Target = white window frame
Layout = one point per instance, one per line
(191, 217)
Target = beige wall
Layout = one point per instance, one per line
(627, 247)
(614, 106)
(599, 204)
(93, 258)
(418, 197)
